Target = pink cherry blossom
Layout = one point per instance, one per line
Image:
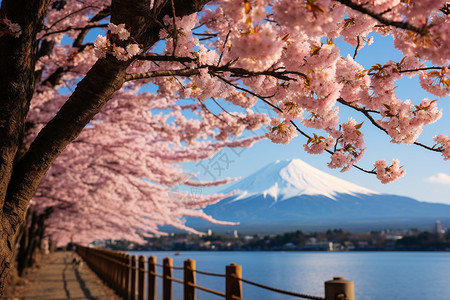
(445, 144)
(387, 173)
(281, 132)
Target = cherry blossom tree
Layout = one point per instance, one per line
(118, 178)
(55, 83)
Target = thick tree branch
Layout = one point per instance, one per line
(162, 73)
(212, 70)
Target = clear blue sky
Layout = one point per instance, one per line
(421, 165)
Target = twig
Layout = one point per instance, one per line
(223, 48)
(226, 111)
(76, 28)
(421, 69)
(155, 57)
(204, 106)
(356, 48)
(262, 98)
(380, 18)
(69, 15)
(358, 108)
(175, 28)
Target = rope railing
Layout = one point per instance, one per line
(205, 289)
(172, 267)
(196, 271)
(190, 283)
(280, 291)
(134, 278)
(209, 273)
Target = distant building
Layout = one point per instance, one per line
(394, 237)
(232, 233)
(313, 244)
(438, 228)
(247, 238)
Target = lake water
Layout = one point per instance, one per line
(377, 275)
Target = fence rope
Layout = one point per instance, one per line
(197, 271)
(174, 279)
(206, 289)
(279, 290)
(208, 273)
(172, 267)
(156, 274)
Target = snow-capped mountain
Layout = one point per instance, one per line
(291, 178)
(291, 195)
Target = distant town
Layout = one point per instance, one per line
(330, 240)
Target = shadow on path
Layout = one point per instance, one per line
(66, 289)
(60, 277)
(86, 291)
(75, 267)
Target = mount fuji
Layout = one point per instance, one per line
(290, 195)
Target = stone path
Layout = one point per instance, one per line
(59, 278)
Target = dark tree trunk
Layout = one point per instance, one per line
(31, 241)
(22, 171)
(17, 61)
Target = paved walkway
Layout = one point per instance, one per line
(58, 278)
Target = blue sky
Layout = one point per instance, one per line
(422, 180)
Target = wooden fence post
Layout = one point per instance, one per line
(167, 281)
(133, 278)
(122, 275)
(117, 277)
(152, 278)
(127, 277)
(339, 289)
(233, 286)
(189, 279)
(141, 282)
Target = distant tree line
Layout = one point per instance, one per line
(409, 240)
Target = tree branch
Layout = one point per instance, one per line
(162, 73)
(421, 69)
(156, 57)
(379, 17)
(366, 112)
(87, 27)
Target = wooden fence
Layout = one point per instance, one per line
(127, 275)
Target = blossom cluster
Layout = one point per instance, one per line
(387, 173)
(445, 144)
(119, 33)
(281, 132)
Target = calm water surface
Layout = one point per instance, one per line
(377, 275)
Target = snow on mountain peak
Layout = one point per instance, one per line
(288, 178)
